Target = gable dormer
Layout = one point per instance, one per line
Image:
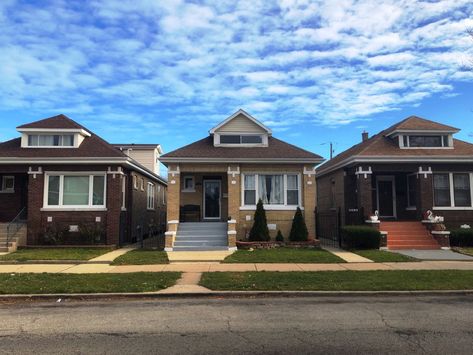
(54, 132)
(240, 130)
(418, 133)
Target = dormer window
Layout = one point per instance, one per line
(425, 141)
(50, 140)
(241, 139)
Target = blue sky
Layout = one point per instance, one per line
(149, 71)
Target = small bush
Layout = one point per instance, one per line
(279, 237)
(259, 232)
(461, 238)
(299, 231)
(360, 237)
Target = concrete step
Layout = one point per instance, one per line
(199, 248)
(208, 233)
(415, 242)
(414, 247)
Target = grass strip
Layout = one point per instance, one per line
(86, 283)
(466, 251)
(28, 254)
(340, 280)
(381, 256)
(283, 255)
(142, 257)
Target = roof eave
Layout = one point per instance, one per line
(166, 160)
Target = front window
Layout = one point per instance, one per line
(75, 191)
(189, 184)
(272, 189)
(241, 139)
(453, 189)
(151, 195)
(50, 140)
(8, 184)
(426, 141)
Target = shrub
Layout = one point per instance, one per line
(259, 232)
(299, 231)
(360, 237)
(461, 238)
(91, 233)
(279, 237)
(54, 235)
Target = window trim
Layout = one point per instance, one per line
(135, 182)
(269, 207)
(452, 192)
(142, 184)
(61, 207)
(150, 196)
(124, 188)
(9, 190)
(405, 138)
(410, 206)
(61, 135)
(190, 189)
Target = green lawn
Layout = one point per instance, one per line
(466, 251)
(27, 254)
(283, 255)
(381, 256)
(86, 283)
(142, 257)
(340, 280)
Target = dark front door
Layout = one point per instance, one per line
(386, 197)
(212, 192)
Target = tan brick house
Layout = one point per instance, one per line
(215, 183)
(61, 181)
(404, 171)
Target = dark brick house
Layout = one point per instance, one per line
(69, 186)
(402, 172)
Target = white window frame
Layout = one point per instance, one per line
(407, 137)
(4, 188)
(135, 182)
(61, 138)
(452, 192)
(269, 207)
(150, 196)
(61, 207)
(124, 188)
(189, 189)
(142, 184)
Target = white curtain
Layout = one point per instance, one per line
(271, 189)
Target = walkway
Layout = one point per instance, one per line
(434, 255)
(214, 267)
(349, 257)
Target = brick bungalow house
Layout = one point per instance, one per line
(402, 172)
(215, 183)
(62, 184)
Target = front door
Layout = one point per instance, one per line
(386, 196)
(212, 197)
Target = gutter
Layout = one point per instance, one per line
(242, 160)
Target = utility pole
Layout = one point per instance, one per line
(331, 148)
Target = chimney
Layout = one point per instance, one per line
(364, 136)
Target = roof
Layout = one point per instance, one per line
(93, 147)
(379, 146)
(415, 123)
(204, 150)
(236, 114)
(54, 122)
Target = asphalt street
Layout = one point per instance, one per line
(336, 325)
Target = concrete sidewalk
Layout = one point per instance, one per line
(214, 267)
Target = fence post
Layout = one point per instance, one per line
(339, 223)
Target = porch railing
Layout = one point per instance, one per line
(14, 226)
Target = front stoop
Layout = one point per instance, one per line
(408, 235)
(201, 236)
(18, 239)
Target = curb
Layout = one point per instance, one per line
(52, 262)
(227, 294)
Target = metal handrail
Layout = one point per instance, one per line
(14, 226)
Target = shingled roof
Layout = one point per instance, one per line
(205, 150)
(54, 122)
(380, 145)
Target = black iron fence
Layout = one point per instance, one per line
(328, 227)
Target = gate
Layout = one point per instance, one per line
(328, 227)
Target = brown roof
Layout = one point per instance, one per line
(276, 149)
(416, 123)
(380, 145)
(59, 121)
(92, 146)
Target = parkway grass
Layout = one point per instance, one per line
(283, 255)
(86, 283)
(395, 280)
(381, 256)
(79, 253)
(142, 257)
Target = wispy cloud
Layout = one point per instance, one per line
(143, 61)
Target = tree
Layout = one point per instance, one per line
(299, 231)
(259, 232)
